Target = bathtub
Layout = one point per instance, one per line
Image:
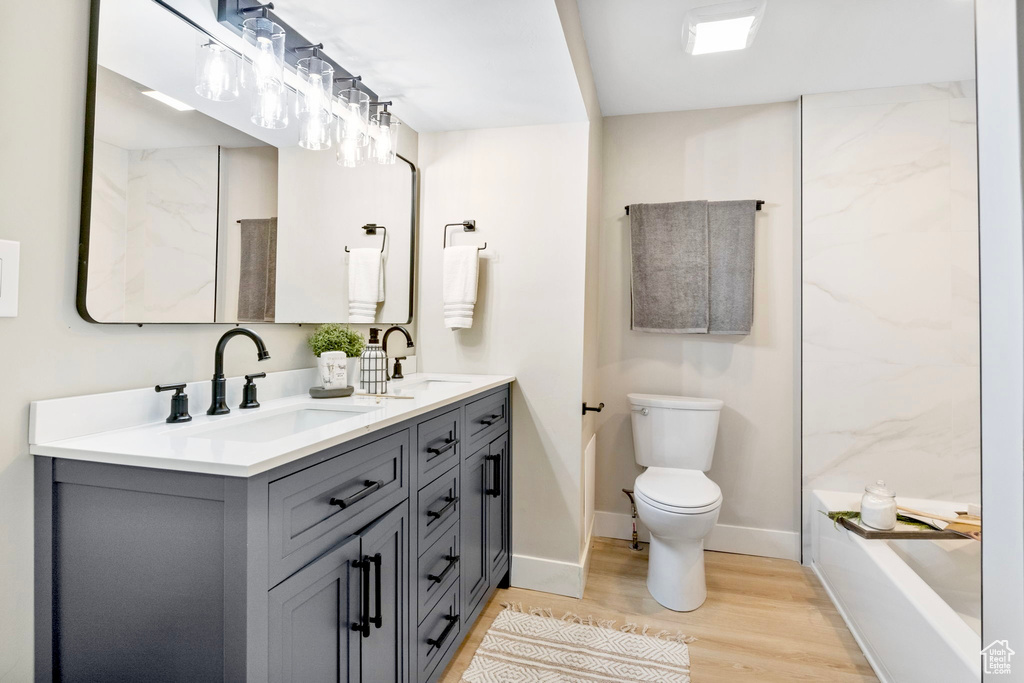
(913, 606)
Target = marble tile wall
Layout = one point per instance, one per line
(171, 234)
(890, 291)
(107, 224)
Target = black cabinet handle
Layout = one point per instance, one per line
(488, 421)
(496, 491)
(370, 485)
(453, 620)
(448, 445)
(363, 625)
(378, 620)
(449, 502)
(452, 561)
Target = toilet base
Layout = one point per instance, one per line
(675, 574)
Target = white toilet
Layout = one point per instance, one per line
(674, 438)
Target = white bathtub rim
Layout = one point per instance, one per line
(956, 633)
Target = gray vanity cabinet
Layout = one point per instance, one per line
(158, 575)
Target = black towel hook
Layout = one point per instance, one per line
(468, 226)
(371, 229)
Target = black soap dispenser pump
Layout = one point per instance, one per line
(373, 363)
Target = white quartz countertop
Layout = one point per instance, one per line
(244, 442)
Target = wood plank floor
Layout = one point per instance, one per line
(764, 619)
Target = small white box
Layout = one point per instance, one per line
(9, 256)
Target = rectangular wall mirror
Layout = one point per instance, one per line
(191, 213)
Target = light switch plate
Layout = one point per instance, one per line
(9, 256)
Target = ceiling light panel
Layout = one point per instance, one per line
(723, 27)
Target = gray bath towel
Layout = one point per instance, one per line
(257, 281)
(669, 251)
(731, 249)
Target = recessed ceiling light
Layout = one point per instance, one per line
(168, 100)
(723, 27)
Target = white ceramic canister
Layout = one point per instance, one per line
(878, 507)
(333, 367)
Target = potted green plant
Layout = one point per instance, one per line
(337, 348)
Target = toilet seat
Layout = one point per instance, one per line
(683, 492)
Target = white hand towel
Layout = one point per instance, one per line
(458, 289)
(365, 284)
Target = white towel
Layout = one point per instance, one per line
(365, 284)
(459, 287)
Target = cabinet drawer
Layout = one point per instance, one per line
(486, 418)
(438, 570)
(437, 507)
(439, 633)
(437, 445)
(313, 509)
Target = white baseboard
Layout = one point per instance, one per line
(725, 538)
(548, 576)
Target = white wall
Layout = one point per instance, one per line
(717, 154)
(527, 189)
(890, 291)
(248, 189)
(48, 351)
(1000, 45)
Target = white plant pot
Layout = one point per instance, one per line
(333, 367)
(353, 371)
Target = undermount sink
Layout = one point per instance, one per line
(279, 424)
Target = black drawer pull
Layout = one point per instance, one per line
(452, 561)
(449, 502)
(453, 621)
(448, 445)
(363, 625)
(488, 421)
(496, 491)
(378, 620)
(370, 485)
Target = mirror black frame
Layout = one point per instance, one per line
(87, 173)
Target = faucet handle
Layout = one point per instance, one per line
(179, 402)
(249, 391)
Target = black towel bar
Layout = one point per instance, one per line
(759, 202)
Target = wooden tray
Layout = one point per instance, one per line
(904, 533)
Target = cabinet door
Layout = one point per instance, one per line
(473, 558)
(497, 472)
(385, 650)
(311, 618)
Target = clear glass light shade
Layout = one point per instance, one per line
(265, 47)
(350, 153)
(313, 106)
(216, 71)
(353, 118)
(385, 138)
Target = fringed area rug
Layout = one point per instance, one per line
(521, 647)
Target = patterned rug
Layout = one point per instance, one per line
(522, 647)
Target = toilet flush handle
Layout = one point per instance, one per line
(642, 411)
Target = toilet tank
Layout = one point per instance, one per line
(674, 431)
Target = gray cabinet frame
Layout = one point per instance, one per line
(143, 557)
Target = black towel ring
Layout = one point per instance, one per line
(371, 229)
(468, 226)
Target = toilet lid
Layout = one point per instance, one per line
(685, 490)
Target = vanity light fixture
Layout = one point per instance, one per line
(723, 27)
(314, 103)
(168, 100)
(385, 135)
(265, 41)
(352, 124)
(216, 71)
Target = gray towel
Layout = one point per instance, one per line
(731, 249)
(669, 251)
(257, 281)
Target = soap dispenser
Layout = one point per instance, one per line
(373, 363)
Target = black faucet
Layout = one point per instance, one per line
(398, 360)
(219, 404)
